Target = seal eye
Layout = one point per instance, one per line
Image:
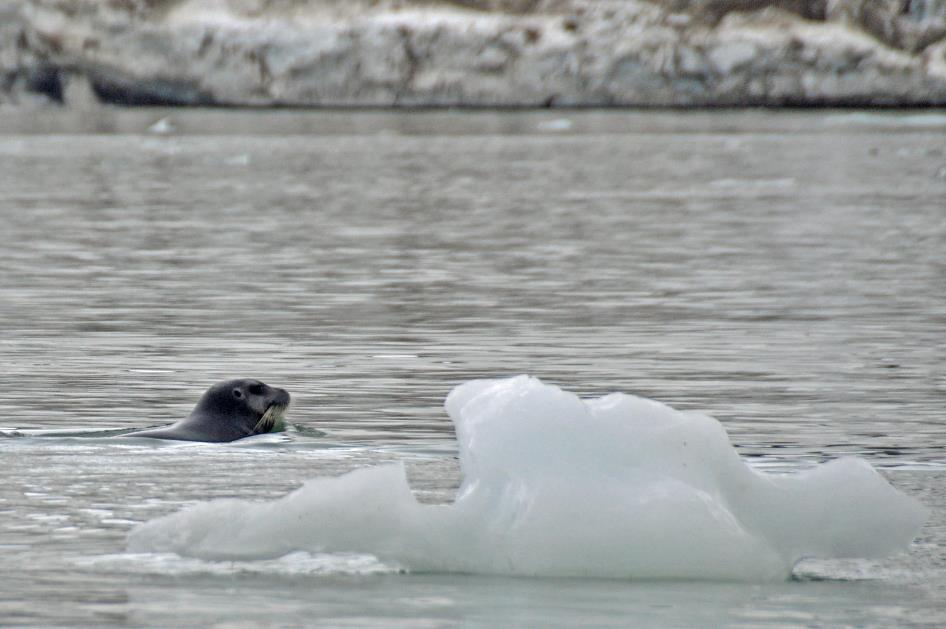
(255, 389)
(237, 394)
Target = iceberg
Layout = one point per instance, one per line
(553, 485)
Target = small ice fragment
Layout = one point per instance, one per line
(558, 124)
(162, 127)
(239, 160)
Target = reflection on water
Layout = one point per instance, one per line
(783, 273)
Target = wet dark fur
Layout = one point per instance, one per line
(227, 411)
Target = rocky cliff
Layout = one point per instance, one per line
(474, 52)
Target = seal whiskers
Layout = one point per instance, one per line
(272, 420)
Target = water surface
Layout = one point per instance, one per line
(782, 272)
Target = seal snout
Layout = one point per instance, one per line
(273, 417)
(281, 397)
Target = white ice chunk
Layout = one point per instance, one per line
(619, 486)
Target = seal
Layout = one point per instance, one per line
(228, 411)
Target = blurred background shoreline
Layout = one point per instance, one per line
(409, 54)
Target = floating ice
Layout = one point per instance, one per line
(558, 124)
(619, 486)
(162, 127)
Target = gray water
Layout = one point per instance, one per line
(785, 273)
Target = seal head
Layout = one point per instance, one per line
(228, 411)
